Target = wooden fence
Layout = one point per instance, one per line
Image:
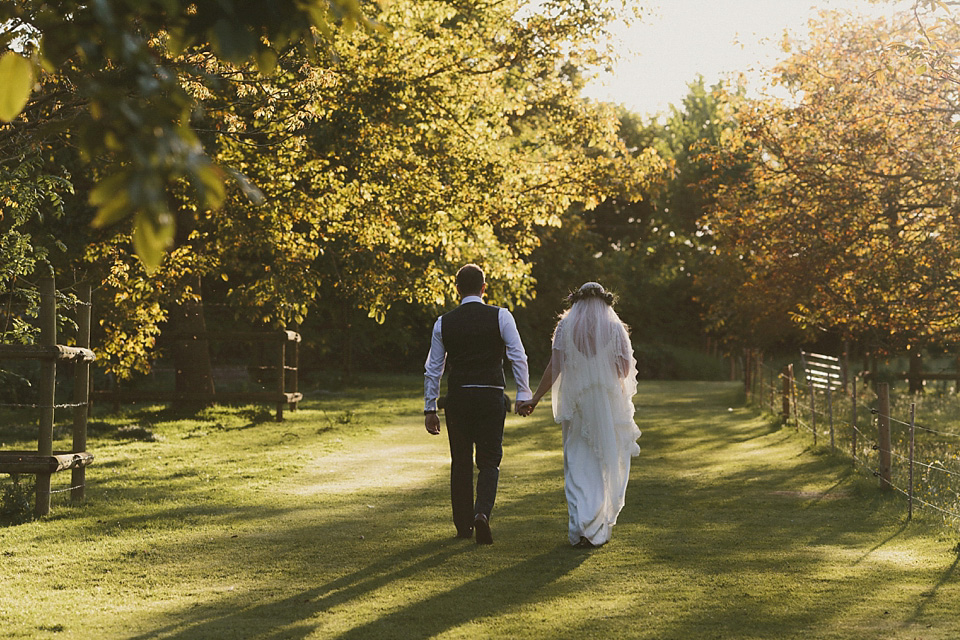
(878, 441)
(285, 393)
(45, 461)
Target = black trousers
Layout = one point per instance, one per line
(475, 418)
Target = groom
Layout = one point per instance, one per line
(471, 342)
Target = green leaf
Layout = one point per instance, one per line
(211, 186)
(111, 199)
(151, 238)
(16, 83)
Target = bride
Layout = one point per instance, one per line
(595, 377)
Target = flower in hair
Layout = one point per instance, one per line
(591, 290)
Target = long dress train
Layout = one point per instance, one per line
(593, 401)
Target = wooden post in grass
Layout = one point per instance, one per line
(883, 426)
(295, 372)
(786, 377)
(830, 413)
(758, 364)
(48, 388)
(81, 394)
(793, 397)
(282, 380)
(913, 416)
(813, 412)
(853, 423)
(773, 391)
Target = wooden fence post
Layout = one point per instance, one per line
(853, 421)
(785, 393)
(758, 364)
(793, 397)
(883, 425)
(845, 364)
(913, 416)
(830, 413)
(773, 392)
(48, 388)
(295, 373)
(813, 412)
(81, 394)
(915, 373)
(282, 379)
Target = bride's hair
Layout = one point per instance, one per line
(591, 290)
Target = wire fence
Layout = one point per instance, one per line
(916, 457)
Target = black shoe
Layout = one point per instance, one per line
(482, 527)
(584, 544)
(465, 535)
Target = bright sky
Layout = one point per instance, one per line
(678, 39)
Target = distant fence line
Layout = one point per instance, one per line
(286, 386)
(815, 402)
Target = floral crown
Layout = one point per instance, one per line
(591, 290)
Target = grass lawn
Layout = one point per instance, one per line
(335, 524)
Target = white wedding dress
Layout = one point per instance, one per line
(595, 379)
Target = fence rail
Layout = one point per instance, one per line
(44, 461)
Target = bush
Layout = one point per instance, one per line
(15, 507)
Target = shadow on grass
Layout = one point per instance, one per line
(302, 614)
(763, 544)
(730, 530)
(212, 622)
(490, 595)
(928, 596)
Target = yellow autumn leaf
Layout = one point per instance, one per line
(16, 83)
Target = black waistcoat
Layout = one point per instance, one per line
(471, 337)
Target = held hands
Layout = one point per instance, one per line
(525, 407)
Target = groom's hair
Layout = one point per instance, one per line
(470, 279)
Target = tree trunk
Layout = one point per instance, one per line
(956, 383)
(191, 353)
(915, 376)
(347, 353)
(191, 349)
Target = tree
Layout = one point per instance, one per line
(28, 195)
(452, 136)
(128, 101)
(645, 239)
(848, 219)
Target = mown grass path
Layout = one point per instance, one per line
(335, 524)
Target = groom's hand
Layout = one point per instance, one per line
(431, 422)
